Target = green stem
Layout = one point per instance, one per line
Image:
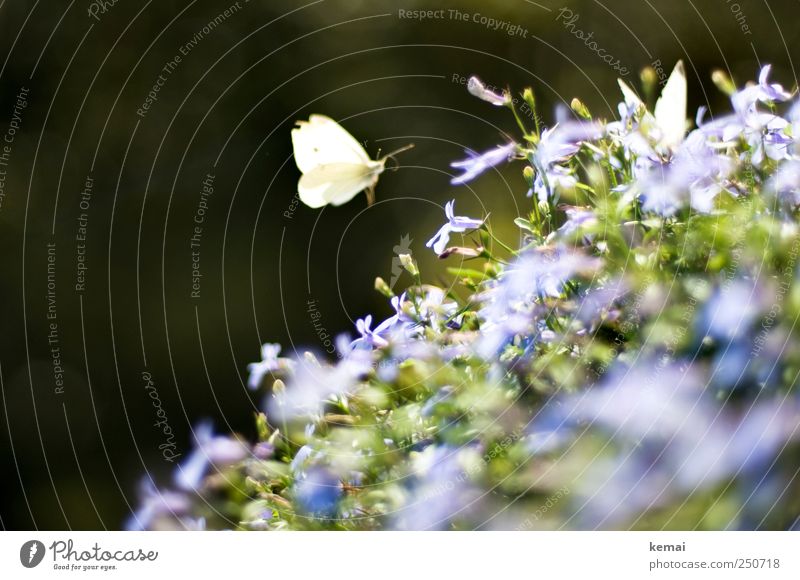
(518, 118)
(499, 242)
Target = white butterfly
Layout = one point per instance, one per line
(669, 117)
(334, 165)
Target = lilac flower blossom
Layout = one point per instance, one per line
(577, 219)
(786, 182)
(671, 439)
(556, 147)
(357, 360)
(218, 451)
(794, 119)
(441, 491)
(318, 492)
(765, 133)
(269, 363)
(731, 310)
(455, 225)
(313, 383)
(601, 302)
(627, 120)
(546, 271)
(636, 147)
(304, 457)
(744, 101)
(509, 307)
(369, 338)
(476, 164)
(399, 325)
(156, 505)
(700, 169)
(434, 307)
(478, 89)
(696, 173)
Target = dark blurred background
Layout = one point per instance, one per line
(73, 453)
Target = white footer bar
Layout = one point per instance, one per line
(388, 555)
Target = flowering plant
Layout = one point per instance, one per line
(632, 364)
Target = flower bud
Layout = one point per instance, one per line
(460, 251)
(382, 287)
(309, 358)
(723, 82)
(262, 426)
(528, 97)
(580, 109)
(529, 174)
(544, 208)
(649, 79)
(408, 263)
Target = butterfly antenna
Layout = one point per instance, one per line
(397, 152)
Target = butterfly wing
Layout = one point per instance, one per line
(322, 141)
(336, 183)
(670, 110)
(631, 98)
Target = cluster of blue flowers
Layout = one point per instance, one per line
(632, 365)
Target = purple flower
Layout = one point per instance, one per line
(786, 182)
(732, 309)
(218, 451)
(455, 224)
(264, 450)
(476, 164)
(399, 321)
(478, 89)
(765, 133)
(434, 307)
(357, 360)
(313, 383)
(155, 505)
(269, 363)
(696, 173)
(577, 219)
(369, 338)
(556, 147)
(601, 302)
(547, 182)
(509, 308)
(744, 101)
(545, 272)
(794, 118)
(667, 438)
(304, 457)
(561, 142)
(318, 492)
(662, 197)
(441, 489)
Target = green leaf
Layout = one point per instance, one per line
(468, 273)
(524, 224)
